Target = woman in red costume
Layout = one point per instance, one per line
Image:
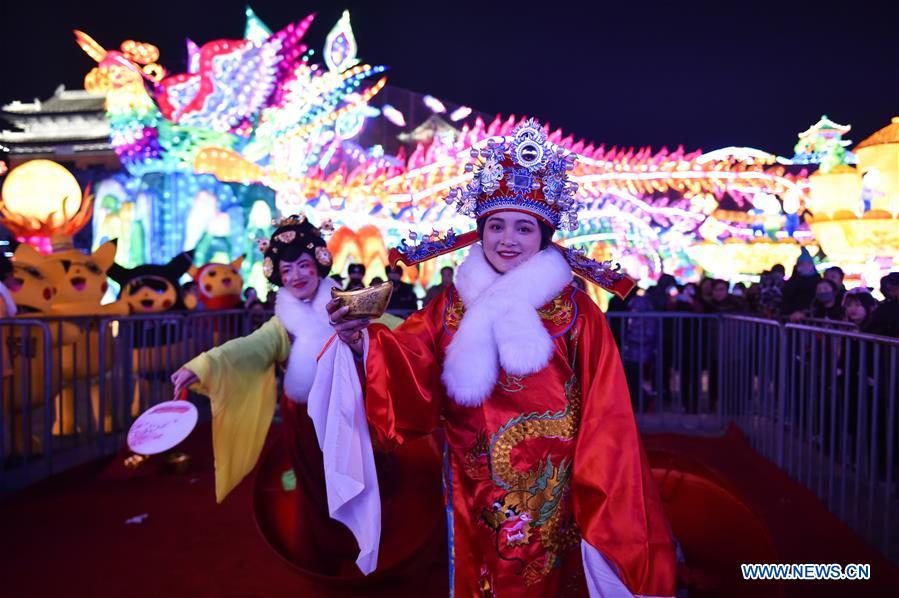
(548, 489)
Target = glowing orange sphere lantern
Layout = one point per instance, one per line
(41, 199)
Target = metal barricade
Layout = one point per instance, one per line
(672, 368)
(821, 403)
(72, 387)
(750, 381)
(78, 365)
(828, 324)
(61, 362)
(840, 427)
(208, 329)
(25, 400)
(145, 351)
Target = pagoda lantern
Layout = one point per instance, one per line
(855, 209)
(878, 163)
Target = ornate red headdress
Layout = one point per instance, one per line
(526, 173)
(523, 172)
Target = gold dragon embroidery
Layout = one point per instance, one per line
(559, 311)
(533, 498)
(454, 313)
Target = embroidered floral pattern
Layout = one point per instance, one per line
(287, 236)
(510, 383)
(560, 312)
(323, 256)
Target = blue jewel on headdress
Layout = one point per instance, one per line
(521, 181)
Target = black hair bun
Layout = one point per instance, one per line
(295, 236)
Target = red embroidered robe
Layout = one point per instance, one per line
(545, 461)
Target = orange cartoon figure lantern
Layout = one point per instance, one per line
(26, 392)
(151, 291)
(219, 285)
(81, 290)
(79, 293)
(34, 281)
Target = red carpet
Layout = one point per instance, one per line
(799, 528)
(68, 537)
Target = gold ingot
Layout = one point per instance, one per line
(369, 303)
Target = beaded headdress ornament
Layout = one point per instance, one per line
(522, 172)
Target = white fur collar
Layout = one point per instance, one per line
(501, 326)
(308, 324)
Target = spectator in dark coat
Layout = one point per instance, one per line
(659, 295)
(705, 293)
(885, 318)
(251, 299)
(686, 300)
(722, 300)
(403, 301)
(826, 304)
(858, 304)
(799, 291)
(779, 272)
(639, 348)
(446, 279)
(770, 295)
(835, 275)
(356, 273)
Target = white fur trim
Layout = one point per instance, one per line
(308, 323)
(501, 326)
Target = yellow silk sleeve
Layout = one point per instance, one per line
(389, 320)
(239, 379)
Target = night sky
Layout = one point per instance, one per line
(705, 75)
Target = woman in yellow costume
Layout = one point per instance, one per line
(338, 489)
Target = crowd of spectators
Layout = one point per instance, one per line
(804, 297)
